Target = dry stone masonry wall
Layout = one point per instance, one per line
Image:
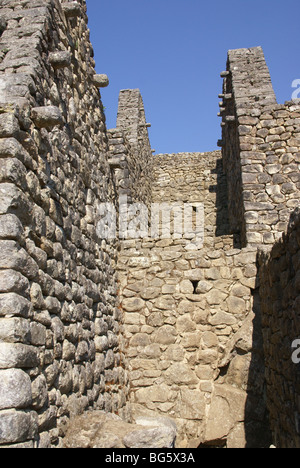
(260, 149)
(196, 324)
(279, 278)
(61, 346)
(188, 311)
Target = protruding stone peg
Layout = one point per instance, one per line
(101, 81)
(46, 117)
(230, 118)
(60, 59)
(71, 9)
(220, 143)
(223, 74)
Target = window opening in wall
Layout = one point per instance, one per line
(194, 220)
(195, 285)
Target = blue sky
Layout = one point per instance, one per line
(174, 51)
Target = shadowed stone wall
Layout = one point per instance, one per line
(279, 290)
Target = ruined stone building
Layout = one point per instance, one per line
(198, 327)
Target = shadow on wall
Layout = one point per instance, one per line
(280, 312)
(221, 190)
(257, 427)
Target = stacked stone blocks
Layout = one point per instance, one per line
(150, 325)
(61, 345)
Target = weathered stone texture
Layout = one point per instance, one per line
(260, 150)
(279, 276)
(102, 430)
(156, 320)
(185, 305)
(56, 276)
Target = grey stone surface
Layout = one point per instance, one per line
(159, 437)
(101, 430)
(17, 426)
(170, 323)
(15, 389)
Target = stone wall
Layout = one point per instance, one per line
(260, 149)
(61, 339)
(192, 310)
(279, 290)
(260, 146)
(188, 313)
(130, 155)
(165, 316)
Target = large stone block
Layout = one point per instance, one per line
(60, 59)
(46, 117)
(17, 355)
(140, 339)
(180, 374)
(158, 437)
(102, 430)
(17, 426)
(15, 389)
(236, 305)
(13, 200)
(156, 393)
(13, 170)
(185, 324)
(10, 227)
(9, 125)
(14, 330)
(219, 421)
(215, 297)
(222, 318)
(12, 256)
(165, 335)
(192, 405)
(12, 304)
(13, 281)
(133, 304)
